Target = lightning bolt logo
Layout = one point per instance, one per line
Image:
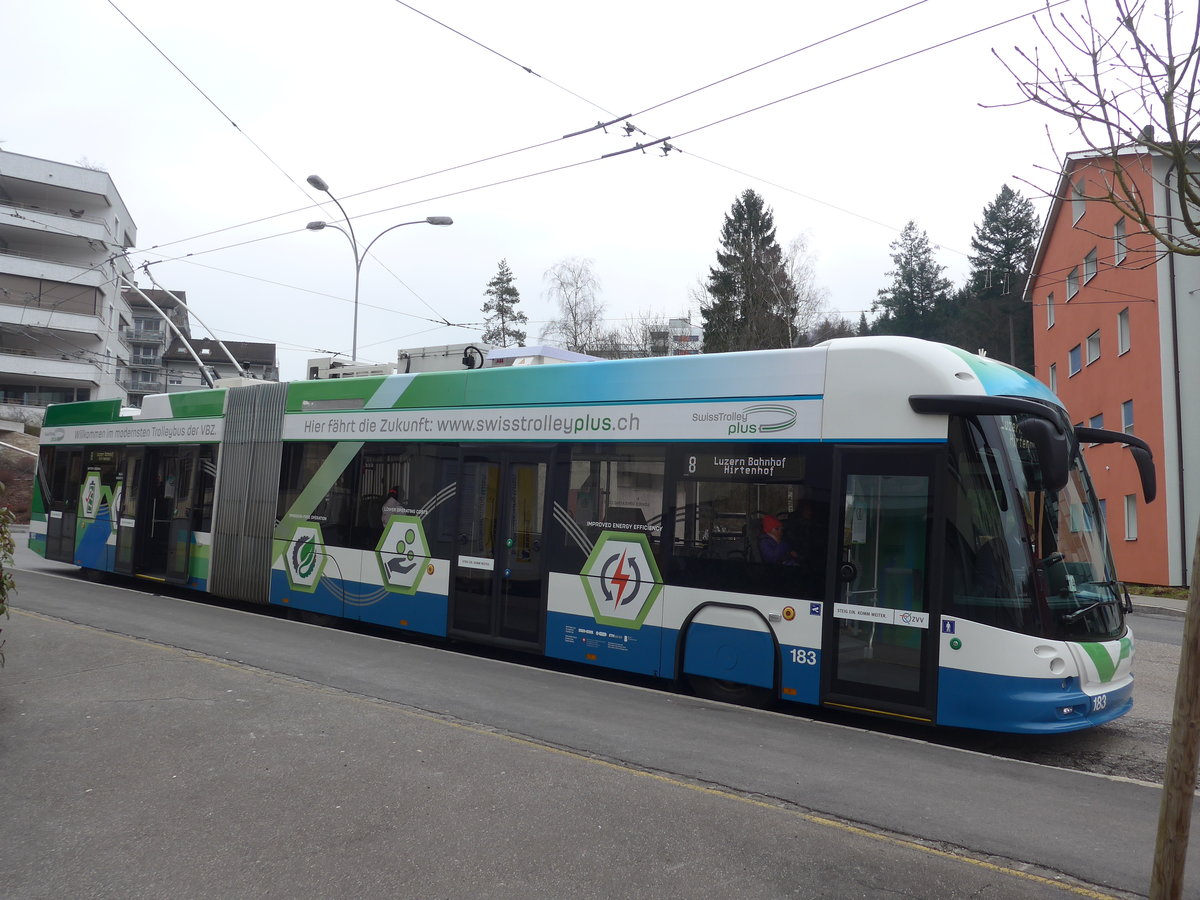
(620, 579)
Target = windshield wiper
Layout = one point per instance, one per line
(1072, 617)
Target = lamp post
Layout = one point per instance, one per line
(359, 255)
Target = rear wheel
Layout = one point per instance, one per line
(732, 692)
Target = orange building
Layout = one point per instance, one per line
(1115, 318)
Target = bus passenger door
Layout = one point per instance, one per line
(498, 570)
(65, 480)
(178, 514)
(877, 630)
(128, 502)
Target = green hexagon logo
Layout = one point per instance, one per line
(403, 554)
(621, 579)
(304, 557)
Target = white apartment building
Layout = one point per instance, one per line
(62, 318)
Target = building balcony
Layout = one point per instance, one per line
(49, 267)
(44, 217)
(134, 335)
(137, 383)
(74, 326)
(28, 364)
(145, 362)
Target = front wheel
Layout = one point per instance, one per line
(732, 692)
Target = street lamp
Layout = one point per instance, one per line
(359, 255)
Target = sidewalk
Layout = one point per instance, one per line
(1159, 605)
(137, 768)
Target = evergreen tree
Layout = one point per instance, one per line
(864, 327)
(751, 299)
(993, 315)
(830, 327)
(915, 302)
(504, 320)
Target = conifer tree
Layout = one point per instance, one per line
(504, 320)
(992, 314)
(915, 302)
(751, 300)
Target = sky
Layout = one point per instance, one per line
(209, 118)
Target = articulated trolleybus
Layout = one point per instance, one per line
(877, 524)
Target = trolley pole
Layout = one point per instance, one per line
(1179, 782)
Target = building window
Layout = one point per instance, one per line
(1073, 283)
(1104, 514)
(1120, 248)
(1078, 201)
(1131, 517)
(1075, 360)
(1096, 421)
(1089, 266)
(1054, 378)
(1093, 346)
(1050, 310)
(1127, 417)
(1123, 331)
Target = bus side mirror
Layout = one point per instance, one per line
(1052, 449)
(1145, 466)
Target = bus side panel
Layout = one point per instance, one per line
(998, 680)
(347, 583)
(424, 609)
(796, 625)
(730, 644)
(572, 632)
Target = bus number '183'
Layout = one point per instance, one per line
(804, 657)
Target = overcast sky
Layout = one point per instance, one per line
(406, 118)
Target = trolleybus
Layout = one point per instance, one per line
(884, 525)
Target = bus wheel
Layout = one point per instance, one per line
(732, 692)
(99, 576)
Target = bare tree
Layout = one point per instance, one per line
(573, 287)
(646, 334)
(811, 299)
(1129, 84)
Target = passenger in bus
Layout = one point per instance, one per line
(771, 545)
(391, 506)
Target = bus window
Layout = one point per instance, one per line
(207, 476)
(333, 510)
(419, 474)
(611, 488)
(752, 518)
(987, 567)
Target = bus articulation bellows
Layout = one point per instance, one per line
(878, 524)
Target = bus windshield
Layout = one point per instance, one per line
(1070, 547)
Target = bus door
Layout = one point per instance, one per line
(128, 508)
(877, 629)
(64, 480)
(152, 539)
(182, 476)
(498, 573)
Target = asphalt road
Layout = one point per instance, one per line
(158, 746)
